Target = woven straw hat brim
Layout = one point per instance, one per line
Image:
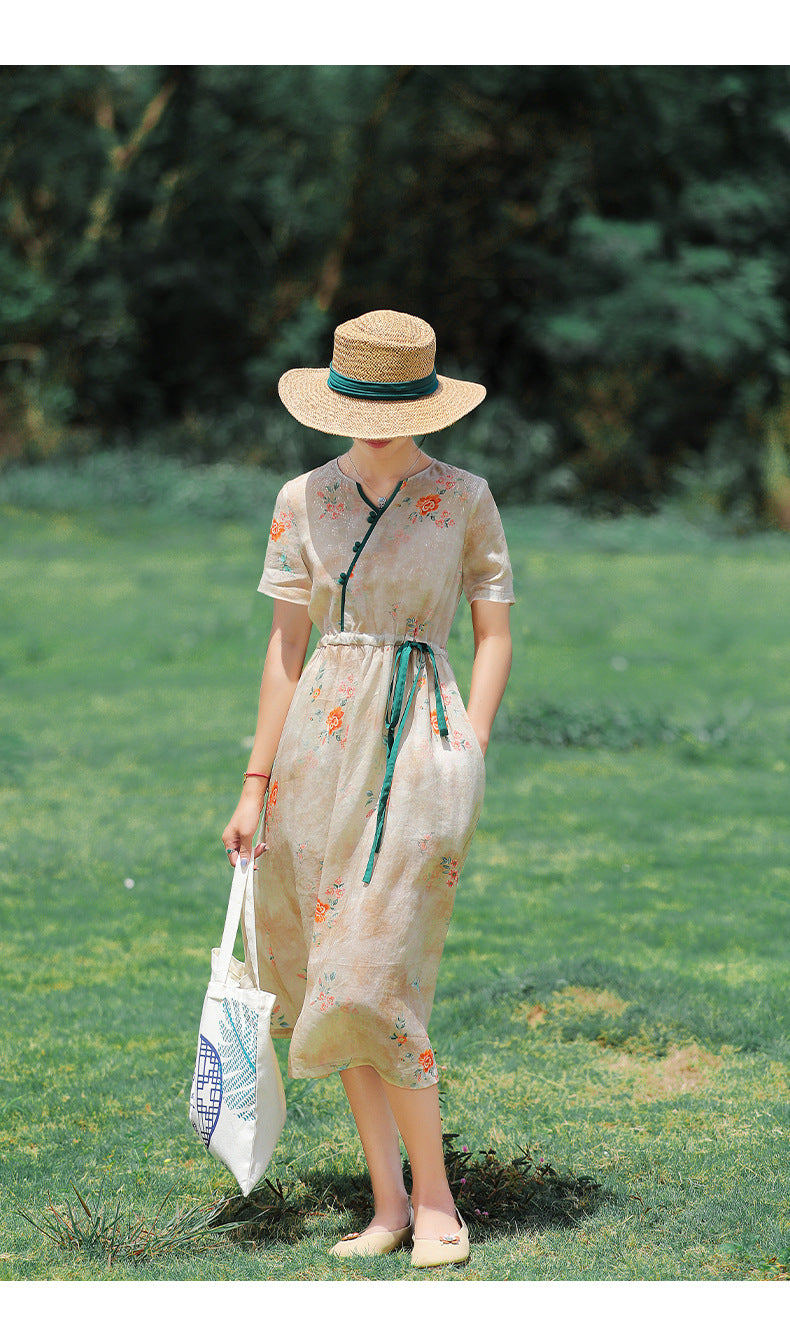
(306, 396)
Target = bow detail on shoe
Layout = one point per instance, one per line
(376, 1240)
(452, 1248)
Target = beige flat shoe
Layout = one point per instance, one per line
(433, 1251)
(378, 1241)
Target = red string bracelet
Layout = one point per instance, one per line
(261, 775)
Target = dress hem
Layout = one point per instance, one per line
(326, 1071)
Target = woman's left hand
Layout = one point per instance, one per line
(237, 836)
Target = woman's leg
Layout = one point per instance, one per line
(378, 1133)
(417, 1115)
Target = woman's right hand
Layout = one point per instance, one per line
(237, 836)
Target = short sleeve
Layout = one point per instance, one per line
(286, 574)
(486, 571)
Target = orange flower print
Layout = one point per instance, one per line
(416, 630)
(434, 722)
(334, 505)
(426, 1061)
(450, 867)
(399, 1034)
(324, 999)
(334, 720)
(429, 506)
(272, 800)
(326, 909)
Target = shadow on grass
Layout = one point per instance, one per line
(494, 1197)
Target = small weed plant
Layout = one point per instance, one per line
(103, 1230)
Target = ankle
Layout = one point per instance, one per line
(434, 1198)
(393, 1204)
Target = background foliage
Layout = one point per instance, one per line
(603, 246)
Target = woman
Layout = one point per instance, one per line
(374, 769)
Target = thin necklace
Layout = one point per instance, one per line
(382, 500)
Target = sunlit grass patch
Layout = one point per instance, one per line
(612, 997)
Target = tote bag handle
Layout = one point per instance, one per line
(241, 898)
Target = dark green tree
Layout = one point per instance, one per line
(604, 246)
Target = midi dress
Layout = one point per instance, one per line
(378, 780)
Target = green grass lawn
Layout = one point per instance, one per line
(613, 996)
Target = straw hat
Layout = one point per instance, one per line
(381, 383)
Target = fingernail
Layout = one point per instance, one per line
(244, 863)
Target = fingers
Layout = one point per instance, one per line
(242, 851)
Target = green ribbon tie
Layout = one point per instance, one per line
(383, 390)
(395, 721)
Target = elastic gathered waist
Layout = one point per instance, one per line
(373, 639)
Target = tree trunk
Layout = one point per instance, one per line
(332, 270)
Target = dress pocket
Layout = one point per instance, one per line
(469, 733)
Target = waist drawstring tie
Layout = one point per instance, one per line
(395, 722)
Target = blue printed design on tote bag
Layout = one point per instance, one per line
(207, 1093)
(238, 1028)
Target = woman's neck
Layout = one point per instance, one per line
(383, 463)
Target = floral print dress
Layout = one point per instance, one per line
(378, 781)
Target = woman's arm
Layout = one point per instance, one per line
(491, 666)
(284, 662)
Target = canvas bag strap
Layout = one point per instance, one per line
(241, 899)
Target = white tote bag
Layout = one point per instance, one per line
(237, 1101)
